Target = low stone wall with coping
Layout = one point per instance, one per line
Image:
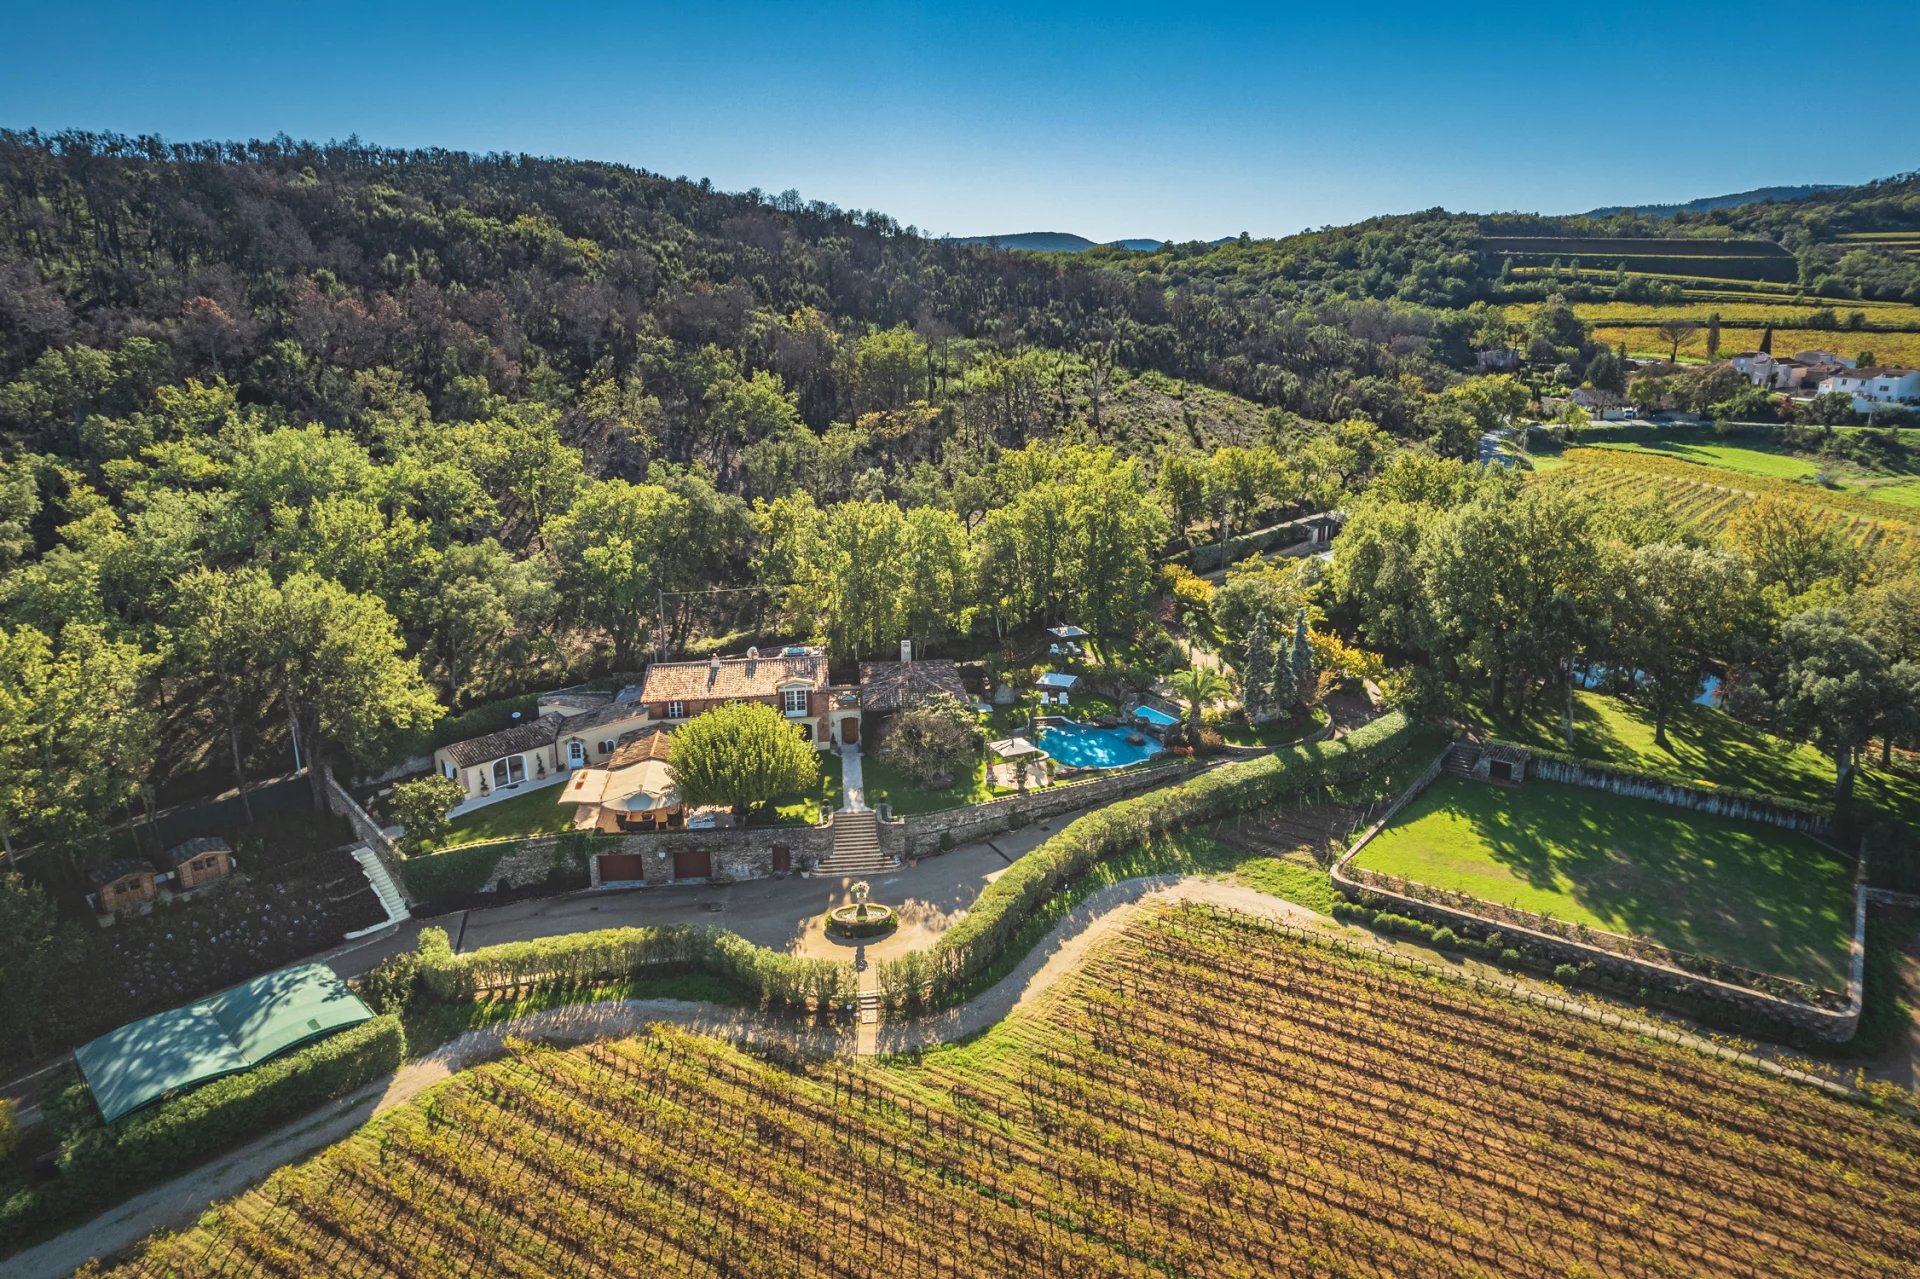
(929, 834)
(1699, 799)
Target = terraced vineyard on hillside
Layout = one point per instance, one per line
(1209, 1096)
(1708, 496)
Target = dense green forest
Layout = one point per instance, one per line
(304, 447)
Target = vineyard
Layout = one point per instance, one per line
(1741, 260)
(1209, 1096)
(1901, 348)
(1707, 497)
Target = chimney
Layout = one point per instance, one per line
(713, 670)
(906, 650)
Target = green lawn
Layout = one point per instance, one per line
(1891, 483)
(1764, 898)
(888, 785)
(1709, 747)
(1237, 732)
(806, 810)
(538, 812)
(1785, 466)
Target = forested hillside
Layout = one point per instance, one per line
(302, 448)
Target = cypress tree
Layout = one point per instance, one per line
(1256, 677)
(1302, 660)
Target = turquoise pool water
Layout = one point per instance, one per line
(1154, 715)
(1084, 746)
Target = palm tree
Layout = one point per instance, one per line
(1199, 687)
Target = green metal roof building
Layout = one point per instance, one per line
(235, 1030)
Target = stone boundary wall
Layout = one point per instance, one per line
(737, 853)
(1619, 781)
(342, 803)
(929, 834)
(394, 772)
(1831, 1025)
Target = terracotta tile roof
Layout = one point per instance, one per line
(574, 698)
(891, 686)
(642, 744)
(610, 713)
(508, 741)
(733, 677)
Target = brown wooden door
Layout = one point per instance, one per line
(850, 730)
(622, 867)
(693, 865)
(782, 859)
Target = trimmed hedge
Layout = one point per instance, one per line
(574, 960)
(1005, 905)
(1208, 556)
(100, 1162)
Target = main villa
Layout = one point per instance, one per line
(575, 729)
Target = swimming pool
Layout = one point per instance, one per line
(1084, 746)
(1154, 715)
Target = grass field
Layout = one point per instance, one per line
(1753, 895)
(1887, 348)
(1708, 747)
(1758, 458)
(1206, 1096)
(1707, 496)
(1748, 312)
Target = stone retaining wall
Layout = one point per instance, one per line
(342, 803)
(928, 834)
(1831, 1025)
(1616, 781)
(735, 854)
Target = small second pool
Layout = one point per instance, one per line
(1084, 746)
(1154, 715)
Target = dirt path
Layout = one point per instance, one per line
(1102, 915)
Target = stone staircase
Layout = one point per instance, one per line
(1461, 758)
(392, 900)
(856, 845)
(869, 1007)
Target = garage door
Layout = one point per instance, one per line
(618, 868)
(693, 865)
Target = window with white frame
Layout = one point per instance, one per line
(676, 710)
(796, 702)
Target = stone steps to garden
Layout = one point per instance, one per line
(1461, 759)
(856, 846)
(391, 899)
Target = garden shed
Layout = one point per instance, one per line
(199, 862)
(235, 1030)
(121, 885)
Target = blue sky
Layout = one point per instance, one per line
(1109, 120)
